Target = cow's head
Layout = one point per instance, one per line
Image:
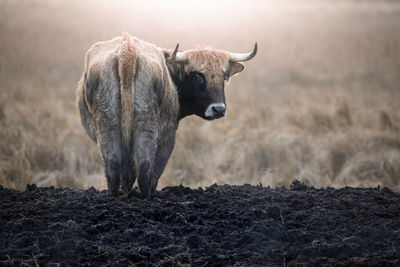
(200, 76)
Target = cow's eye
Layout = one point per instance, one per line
(197, 75)
(197, 79)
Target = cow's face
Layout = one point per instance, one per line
(201, 75)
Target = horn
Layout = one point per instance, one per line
(239, 57)
(177, 56)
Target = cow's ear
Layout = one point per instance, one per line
(166, 52)
(235, 67)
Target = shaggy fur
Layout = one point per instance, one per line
(131, 97)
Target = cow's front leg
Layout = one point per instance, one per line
(144, 150)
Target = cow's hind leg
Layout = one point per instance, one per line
(109, 142)
(164, 149)
(128, 172)
(144, 150)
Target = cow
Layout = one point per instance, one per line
(132, 95)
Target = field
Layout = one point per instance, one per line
(319, 103)
(217, 226)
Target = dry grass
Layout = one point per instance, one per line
(320, 102)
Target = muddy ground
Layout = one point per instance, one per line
(221, 225)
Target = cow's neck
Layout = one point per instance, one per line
(186, 103)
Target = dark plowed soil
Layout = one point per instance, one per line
(222, 225)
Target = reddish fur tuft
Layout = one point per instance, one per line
(127, 65)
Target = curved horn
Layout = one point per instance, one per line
(178, 56)
(239, 57)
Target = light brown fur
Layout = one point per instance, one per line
(208, 60)
(127, 66)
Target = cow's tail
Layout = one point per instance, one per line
(127, 67)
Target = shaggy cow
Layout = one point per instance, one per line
(133, 94)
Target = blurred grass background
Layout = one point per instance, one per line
(319, 103)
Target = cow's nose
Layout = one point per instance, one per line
(219, 109)
(215, 111)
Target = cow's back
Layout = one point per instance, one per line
(152, 88)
